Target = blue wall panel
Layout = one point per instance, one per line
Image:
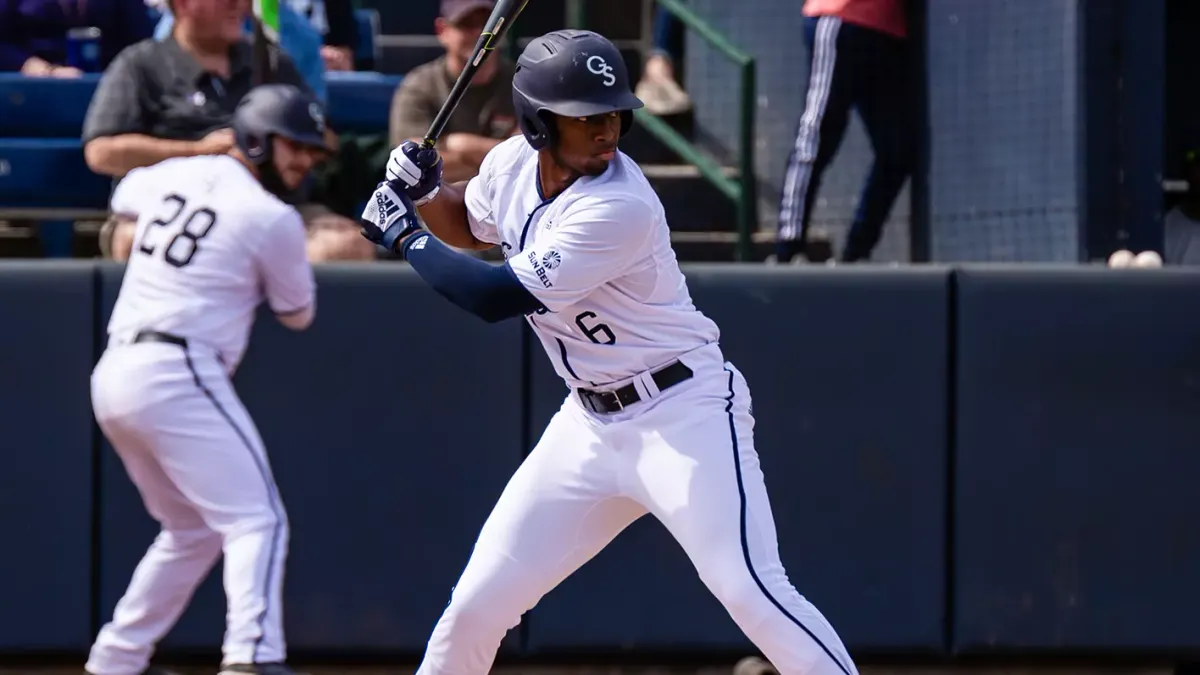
(1076, 501)
(46, 475)
(398, 425)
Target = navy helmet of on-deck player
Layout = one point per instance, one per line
(276, 110)
(572, 73)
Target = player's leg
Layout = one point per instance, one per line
(819, 132)
(214, 454)
(702, 479)
(558, 510)
(886, 102)
(182, 554)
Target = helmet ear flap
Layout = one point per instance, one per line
(626, 121)
(256, 148)
(538, 130)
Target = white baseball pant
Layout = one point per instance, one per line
(688, 458)
(193, 452)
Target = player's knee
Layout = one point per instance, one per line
(740, 593)
(476, 620)
(487, 611)
(265, 521)
(192, 542)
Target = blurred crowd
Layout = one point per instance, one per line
(173, 71)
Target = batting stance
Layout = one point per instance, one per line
(213, 241)
(656, 420)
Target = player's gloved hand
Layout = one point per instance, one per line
(418, 168)
(389, 215)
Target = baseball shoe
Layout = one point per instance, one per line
(753, 665)
(150, 670)
(278, 668)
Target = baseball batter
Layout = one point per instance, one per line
(656, 421)
(213, 241)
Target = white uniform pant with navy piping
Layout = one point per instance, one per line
(195, 456)
(688, 458)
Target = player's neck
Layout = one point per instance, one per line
(244, 161)
(553, 178)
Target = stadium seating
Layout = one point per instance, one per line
(43, 176)
(41, 121)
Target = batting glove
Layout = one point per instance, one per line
(389, 215)
(418, 168)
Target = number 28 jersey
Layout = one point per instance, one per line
(210, 246)
(598, 256)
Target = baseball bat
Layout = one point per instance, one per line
(502, 18)
(266, 33)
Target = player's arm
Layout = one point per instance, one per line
(591, 246)
(449, 219)
(490, 292)
(459, 214)
(286, 274)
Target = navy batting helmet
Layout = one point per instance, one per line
(277, 110)
(573, 73)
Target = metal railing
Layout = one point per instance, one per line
(741, 188)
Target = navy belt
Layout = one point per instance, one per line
(159, 336)
(605, 402)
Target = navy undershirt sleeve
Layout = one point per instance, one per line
(491, 292)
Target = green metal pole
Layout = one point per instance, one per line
(576, 14)
(748, 211)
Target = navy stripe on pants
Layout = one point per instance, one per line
(851, 67)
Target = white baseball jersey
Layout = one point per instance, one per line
(211, 244)
(598, 256)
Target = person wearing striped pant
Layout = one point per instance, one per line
(858, 58)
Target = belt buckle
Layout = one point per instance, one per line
(620, 404)
(588, 398)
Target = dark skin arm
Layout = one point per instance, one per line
(446, 218)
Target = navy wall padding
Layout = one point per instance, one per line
(848, 373)
(392, 425)
(1077, 465)
(46, 479)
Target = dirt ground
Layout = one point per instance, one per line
(727, 669)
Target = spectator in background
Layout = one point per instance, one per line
(334, 22)
(659, 87)
(176, 97)
(485, 115)
(859, 57)
(33, 33)
(297, 37)
(1181, 225)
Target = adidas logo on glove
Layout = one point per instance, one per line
(387, 205)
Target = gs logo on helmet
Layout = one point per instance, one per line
(314, 111)
(598, 66)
